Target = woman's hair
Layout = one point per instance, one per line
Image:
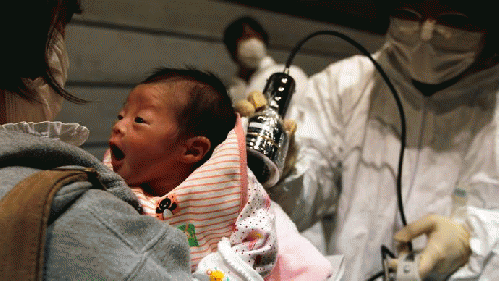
(28, 33)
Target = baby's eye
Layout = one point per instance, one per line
(120, 116)
(139, 120)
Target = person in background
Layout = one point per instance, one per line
(247, 41)
(442, 58)
(94, 230)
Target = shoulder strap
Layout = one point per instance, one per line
(24, 213)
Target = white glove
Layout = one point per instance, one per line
(447, 248)
(256, 101)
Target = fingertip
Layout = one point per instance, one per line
(290, 126)
(244, 107)
(257, 99)
(393, 264)
(256, 94)
(402, 236)
(415, 229)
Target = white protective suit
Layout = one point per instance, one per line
(240, 89)
(349, 142)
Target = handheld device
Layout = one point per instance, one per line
(407, 268)
(266, 140)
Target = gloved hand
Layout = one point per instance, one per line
(447, 248)
(256, 101)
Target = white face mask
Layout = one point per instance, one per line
(19, 109)
(250, 52)
(431, 53)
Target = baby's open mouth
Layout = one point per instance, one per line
(116, 152)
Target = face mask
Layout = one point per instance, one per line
(19, 109)
(431, 53)
(250, 52)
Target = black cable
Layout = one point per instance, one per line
(385, 251)
(376, 276)
(292, 55)
(294, 51)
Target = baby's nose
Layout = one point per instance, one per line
(118, 128)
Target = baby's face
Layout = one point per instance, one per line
(143, 142)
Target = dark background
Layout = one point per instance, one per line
(365, 15)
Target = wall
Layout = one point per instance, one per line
(116, 43)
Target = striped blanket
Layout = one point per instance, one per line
(220, 199)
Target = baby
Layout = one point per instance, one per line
(180, 145)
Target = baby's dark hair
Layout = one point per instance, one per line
(209, 110)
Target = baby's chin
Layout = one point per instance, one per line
(129, 174)
(121, 171)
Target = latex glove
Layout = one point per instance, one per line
(290, 161)
(256, 101)
(447, 248)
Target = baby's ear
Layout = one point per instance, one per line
(196, 148)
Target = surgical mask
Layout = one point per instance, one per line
(19, 109)
(432, 53)
(250, 52)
